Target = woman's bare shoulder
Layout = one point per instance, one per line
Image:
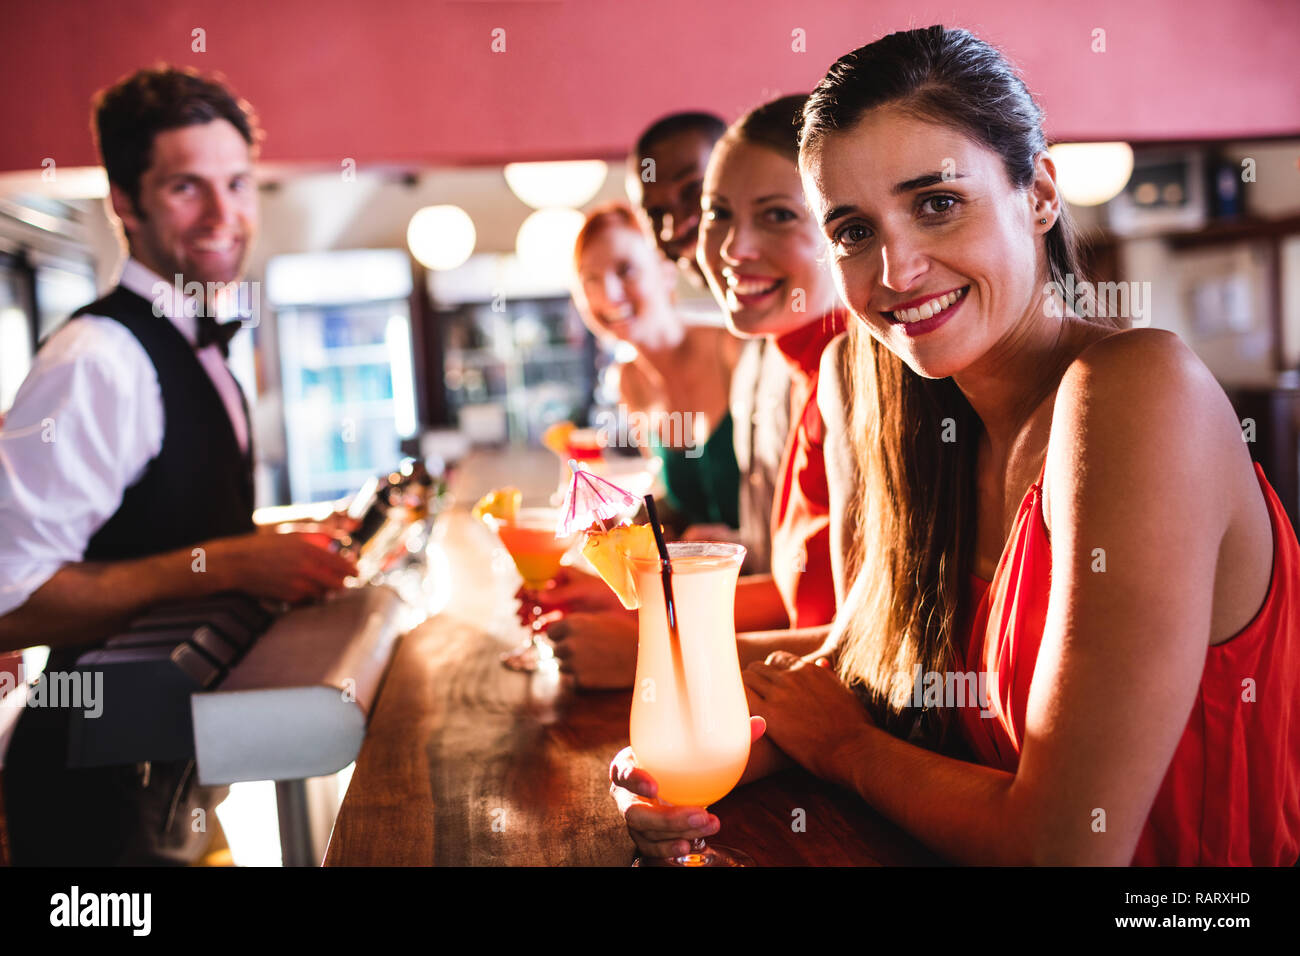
(1111, 348)
(1139, 365)
(632, 382)
(1143, 394)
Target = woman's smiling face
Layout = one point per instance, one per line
(931, 245)
(761, 250)
(625, 286)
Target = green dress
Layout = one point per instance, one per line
(704, 489)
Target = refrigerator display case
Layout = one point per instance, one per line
(534, 364)
(37, 294)
(343, 329)
(516, 356)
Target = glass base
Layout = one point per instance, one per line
(532, 655)
(710, 855)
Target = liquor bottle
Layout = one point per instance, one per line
(386, 509)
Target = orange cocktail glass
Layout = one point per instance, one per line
(690, 717)
(530, 539)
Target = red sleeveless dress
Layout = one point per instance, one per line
(801, 514)
(1231, 795)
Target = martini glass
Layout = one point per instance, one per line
(531, 542)
(690, 717)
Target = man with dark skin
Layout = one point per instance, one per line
(665, 176)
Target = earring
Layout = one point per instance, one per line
(1043, 221)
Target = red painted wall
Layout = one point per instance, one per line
(401, 80)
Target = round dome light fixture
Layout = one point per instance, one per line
(441, 237)
(544, 185)
(545, 241)
(1089, 174)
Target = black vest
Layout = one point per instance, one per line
(200, 485)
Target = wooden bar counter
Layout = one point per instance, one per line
(466, 763)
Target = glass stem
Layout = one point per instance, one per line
(535, 629)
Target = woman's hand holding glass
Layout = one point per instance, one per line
(572, 591)
(595, 637)
(808, 719)
(661, 829)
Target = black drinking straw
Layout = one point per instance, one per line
(665, 564)
(666, 572)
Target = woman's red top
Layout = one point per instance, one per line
(801, 544)
(1231, 795)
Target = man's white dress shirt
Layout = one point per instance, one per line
(84, 426)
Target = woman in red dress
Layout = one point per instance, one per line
(764, 259)
(1055, 511)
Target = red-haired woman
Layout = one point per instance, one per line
(678, 377)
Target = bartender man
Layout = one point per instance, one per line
(126, 468)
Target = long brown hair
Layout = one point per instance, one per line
(915, 511)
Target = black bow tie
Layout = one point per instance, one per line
(212, 332)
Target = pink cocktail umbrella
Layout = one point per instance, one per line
(590, 498)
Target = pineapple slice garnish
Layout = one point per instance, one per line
(611, 553)
(502, 504)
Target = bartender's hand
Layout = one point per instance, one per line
(599, 650)
(660, 829)
(573, 591)
(294, 567)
